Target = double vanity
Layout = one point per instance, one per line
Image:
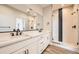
(30, 42)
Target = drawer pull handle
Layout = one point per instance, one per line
(27, 51)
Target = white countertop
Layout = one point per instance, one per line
(7, 39)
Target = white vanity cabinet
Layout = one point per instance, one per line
(33, 45)
(11, 48)
(43, 42)
(30, 49)
(37, 46)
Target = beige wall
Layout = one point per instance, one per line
(56, 6)
(69, 33)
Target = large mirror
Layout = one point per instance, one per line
(11, 18)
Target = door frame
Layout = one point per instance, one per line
(58, 29)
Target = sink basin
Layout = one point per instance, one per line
(3, 39)
(12, 39)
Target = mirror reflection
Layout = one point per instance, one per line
(12, 18)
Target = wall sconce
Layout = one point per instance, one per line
(73, 13)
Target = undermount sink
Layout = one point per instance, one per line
(25, 35)
(4, 39)
(12, 39)
(7, 39)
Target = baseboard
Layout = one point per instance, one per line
(65, 47)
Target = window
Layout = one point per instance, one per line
(19, 23)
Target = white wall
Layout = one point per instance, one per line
(55, 22)
(24, 7)
(47, 16)
(36, 8)
(39, 22)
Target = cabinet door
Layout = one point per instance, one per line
(32, 49)
(43, 42)
(14, 47)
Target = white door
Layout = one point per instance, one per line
(55, 26)
(69, 32)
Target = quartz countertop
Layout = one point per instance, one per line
(7, 39)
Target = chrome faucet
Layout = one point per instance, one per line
(18, 32)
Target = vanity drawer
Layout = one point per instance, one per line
(21, 51)
(14, 47)
(30, 49)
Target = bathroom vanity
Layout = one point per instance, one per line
(30, 42)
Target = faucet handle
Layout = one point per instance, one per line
(12, 34)
(18, 30)
(20, 33)
(14, 30)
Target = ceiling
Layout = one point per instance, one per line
(46, 5)
(38, 8)
(43, 5)
(38, 5)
